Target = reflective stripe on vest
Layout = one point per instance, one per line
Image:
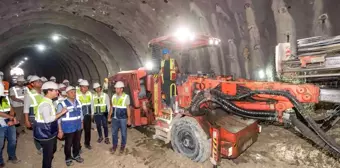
(70, 112)
(172, 68)
(16, 89)
(85, 100)
(42, 129)
(5, 107)
(39, 117)
(119, 106)
(99, 101)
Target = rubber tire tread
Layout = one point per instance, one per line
(203, 149)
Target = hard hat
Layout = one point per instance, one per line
(70, 88)
(1, 73)
(79, 80)
(165, 51)
(52, 78)
(21, 79)
(49, 85)
(106, 80)
(44, 79)
(2, 89)
(84, 83)
(63, 92)
(29, 77)
(34, 78)
(61, 85)
(96, 85)
(119, 84)
(66, 81)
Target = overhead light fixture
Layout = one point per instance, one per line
(262, 74)
(41, 47)
(55, 37)
(26, 58)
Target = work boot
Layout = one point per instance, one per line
(14, 160)
(40, 151)
(69, 163)
(2, 165)
(107, 140)
(122, 149)
(78, 159)
(100, 140)
(89, 147)
(113, 149)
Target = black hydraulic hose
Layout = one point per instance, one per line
(237, 113)
(232, 106)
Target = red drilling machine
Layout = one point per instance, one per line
(216, 116)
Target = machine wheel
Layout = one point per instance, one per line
(189, 139)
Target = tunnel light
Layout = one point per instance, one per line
(55, 37)
(41, 47)
(25, 58)
(262, 74)
(21, 62)
(16, 71)
(149, 65)
(211, 41)
(184, 34)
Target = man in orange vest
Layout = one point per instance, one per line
(168, 72)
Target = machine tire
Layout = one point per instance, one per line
(189, 139)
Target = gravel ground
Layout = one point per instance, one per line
(276, 147)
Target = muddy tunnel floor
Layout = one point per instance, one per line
(275, 148)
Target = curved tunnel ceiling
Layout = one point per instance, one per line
(105, 36)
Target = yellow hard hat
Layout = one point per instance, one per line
(106, 79)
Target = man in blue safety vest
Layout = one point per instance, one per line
(70, 125)
(120, 116)
(45, 127)
(7, 128)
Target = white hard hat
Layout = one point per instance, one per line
(52, 78)
(63, 92)
(34, 78)
(84, 83)
(61, 85)
(79, 80)
(21, 79)
(70, 88)
(2, 89)
(29, 77)
(96, 85)
(49, 85)
(119, 84)
(66, 81)
(44, 79)
(1, 73)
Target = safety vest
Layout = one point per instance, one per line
(59, 100)
(43, 130)
(5, 107)
(85, 101)
(172, 69)
(71, 121)
(35, 100)
(99, 103)
(21, 94)
(119, 107)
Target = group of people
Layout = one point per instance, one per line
(60, 111)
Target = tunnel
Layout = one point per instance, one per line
(96, 39)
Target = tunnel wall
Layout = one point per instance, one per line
(249, 29)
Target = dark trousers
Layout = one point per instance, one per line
(101, 121)
(72, 140)
(167, 91)
(87, 129)
(49, 148)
